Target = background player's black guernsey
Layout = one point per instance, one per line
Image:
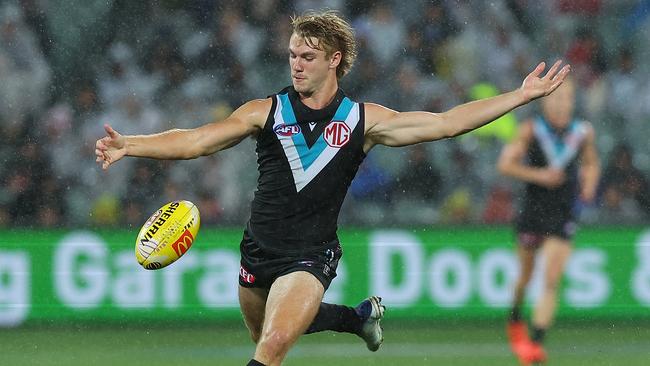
(307, 159)
(547, 211)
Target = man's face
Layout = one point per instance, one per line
(558, 107)
(309, 66)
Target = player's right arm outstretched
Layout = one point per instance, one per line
(177, 144)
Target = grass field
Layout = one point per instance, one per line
(406, 344)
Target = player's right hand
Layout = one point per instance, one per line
(551, 177)
(110, 148)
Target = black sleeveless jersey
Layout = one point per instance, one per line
(549, 210)
(306, 160)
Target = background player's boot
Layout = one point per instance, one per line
(371, 311)
(518, 338)
(531, 353)
(536, 354)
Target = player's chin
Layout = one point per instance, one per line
(300, 86)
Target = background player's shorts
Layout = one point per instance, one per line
(534, 238)
(259, 268)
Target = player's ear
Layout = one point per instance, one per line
(335, 59)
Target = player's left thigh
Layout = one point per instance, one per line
(292, 304)
(556, 252)
(252, 302)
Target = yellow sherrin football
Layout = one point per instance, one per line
(167, 234)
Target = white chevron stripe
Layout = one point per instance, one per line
(559, 159)
(301, 176)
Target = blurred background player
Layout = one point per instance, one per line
(555, 155)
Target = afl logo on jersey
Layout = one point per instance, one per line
(286, 130)
(337, 134)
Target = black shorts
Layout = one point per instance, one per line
(550, 225)
(534, 239)
(259, 268)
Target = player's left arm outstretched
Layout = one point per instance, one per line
(388, 127)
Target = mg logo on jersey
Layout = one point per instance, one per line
(286, 130)
(337, 134)
(183, 243)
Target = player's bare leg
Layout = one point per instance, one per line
(516, 328)
(291, 305)
(556, 252)
(526, 257)
(252, 302)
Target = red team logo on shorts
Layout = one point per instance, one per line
(337, 134)
(245, 276)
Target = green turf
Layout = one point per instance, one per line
(406, 344)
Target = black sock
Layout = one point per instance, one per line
(339, 318)
(515, 314)
(255, 363)
(538, 335)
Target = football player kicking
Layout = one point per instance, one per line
(311, 138)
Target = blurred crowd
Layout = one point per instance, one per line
(68, 67)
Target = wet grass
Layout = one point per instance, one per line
(411, 344)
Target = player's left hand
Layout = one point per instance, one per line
(535, 85)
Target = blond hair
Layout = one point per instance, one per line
(333, 34)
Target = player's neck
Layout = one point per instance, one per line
(321, 97)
